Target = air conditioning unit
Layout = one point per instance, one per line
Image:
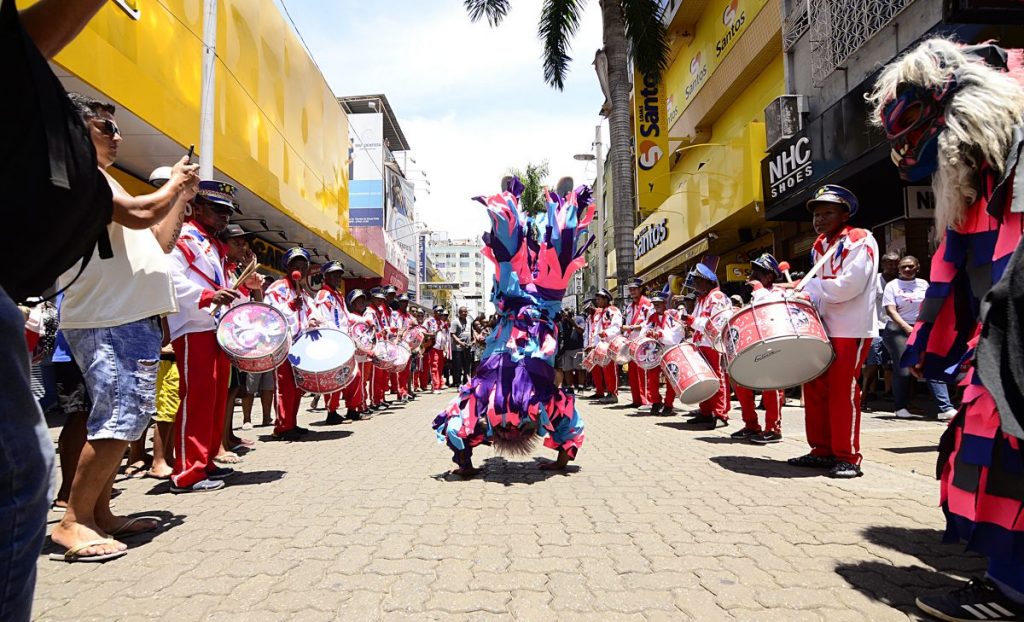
(784, 118)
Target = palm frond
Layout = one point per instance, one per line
(646, 37)
(494, 10)
(559, 21)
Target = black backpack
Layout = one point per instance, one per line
(56, 202)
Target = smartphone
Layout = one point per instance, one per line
(191, 150)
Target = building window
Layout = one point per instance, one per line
(840, 27)
(465, 284)
(464, 255)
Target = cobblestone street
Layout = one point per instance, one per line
(656, 520)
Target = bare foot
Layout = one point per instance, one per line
(466, 473)
(73, 534)
(135, 469)
(159, 472)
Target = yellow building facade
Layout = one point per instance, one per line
(280, 133)
(726, 67)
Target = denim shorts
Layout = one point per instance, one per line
(119, 364)
(877, 355)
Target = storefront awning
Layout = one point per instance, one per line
(685, 256)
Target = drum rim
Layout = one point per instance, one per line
(832, 358)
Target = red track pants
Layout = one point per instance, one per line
(204, 371)
(353, 395)
(435, 363)
(403, 381)
(832, 402)
(606, 379)
(379, 384)
(288, 398)
(718, 404)
(772, 408)
(640, 384)
(655, 391)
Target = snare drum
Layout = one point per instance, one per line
(254, 336)
(413, 337)
(363, 336)
(776, 345)
(590, 360)
(602, 355)
(324, 360)
(618, 348)
(387, 355)
(715, 327)
(689, 373)
(646, 352)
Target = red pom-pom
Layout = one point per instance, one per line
(783, 266)
(296, 275)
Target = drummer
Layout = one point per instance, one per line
(291, 297)
(665, 326)
(360, 312)
(714, 411)
(201, 284)
(402, 320)
(431, 373)
(382, 325)
(764, 271)
(331, 306)
(605, 325)
(637, 312)
(844, 293)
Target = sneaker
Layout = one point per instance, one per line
(609, 399)
(205, 485)
(333, 418)
(656, 409)
(668, 412)
(247, 425)
(745, 433)
(220, 473)
(701, 418)
(718, 422)
(766, 438)
(979, 599)
(903, 413)
(287, 435)
(352, 415)
(300, 430)
(812, 461)
(946, 415)
(596, 396)
(845, 470)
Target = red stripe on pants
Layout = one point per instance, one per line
(638, 384)
(203, 369)
(403, 380)
(717, 404)
(365, 382)
(435, 362)
(606, 379)
(832, 402)
(288, 398)
(772, 409)
(380, 385)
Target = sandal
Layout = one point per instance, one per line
(72, 555)
(228, 457)
(126, 529)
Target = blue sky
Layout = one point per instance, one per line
(471, 99)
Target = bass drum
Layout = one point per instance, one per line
(323, 360)
(689, 373)
(254, 335)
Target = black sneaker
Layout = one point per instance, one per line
(353, 415)
(656, 409)
(333, 418)
(220, 473)
(766, 438)
(745, 433)
(812, 461)
(979, 599)
(702, 419)
(300, 431)
(668, 412)
(845, 470)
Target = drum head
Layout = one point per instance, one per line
(699, 391)
(252, 330)
(322, 349)
(781, 363)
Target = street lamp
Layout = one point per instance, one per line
(597, 156)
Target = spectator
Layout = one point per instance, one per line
(111, 321)
(73, 400)
(168, 401)
(902, 299)
(571, 361)
(481, 331)
(878, 356)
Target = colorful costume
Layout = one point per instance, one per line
(970, 319)
(513, 399)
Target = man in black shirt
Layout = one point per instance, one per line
(462, 352)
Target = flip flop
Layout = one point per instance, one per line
(71, 556)
(244, 444)
(58, 508)
(125, 529)
(151, 475)
(228, 458)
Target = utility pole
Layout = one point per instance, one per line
(208, 89)
(599, 203)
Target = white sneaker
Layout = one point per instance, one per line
(946, 415)
(645, 408)
(903, 413)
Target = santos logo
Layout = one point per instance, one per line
(695, 64)
(730, 13)
(648, 154)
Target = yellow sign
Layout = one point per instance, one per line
(720, 26)
(737, 272)
(651, 133)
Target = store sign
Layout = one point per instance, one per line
(440, 286)
(366, 172)
(790, 167)
(919, 202)
(720, 26)
(650, 237)
(651, 135)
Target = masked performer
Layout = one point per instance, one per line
(956, 114)
(512, 400)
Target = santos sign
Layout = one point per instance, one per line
(652, 168)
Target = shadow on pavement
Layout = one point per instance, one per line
(686, 425)
(724, 440)
(240, 478)
(326, 435)
(921, 449)
(764, 467)
(168, 520)
(946, 566)
(500, 471)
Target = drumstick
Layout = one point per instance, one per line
(246, 273)
(817, 267)
(784, 267)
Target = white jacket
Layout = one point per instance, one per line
(707, 306)
(665, 327)
(197, 271)
(605, 324)
(845, 289)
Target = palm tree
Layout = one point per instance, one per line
(633, 29)
(532, 177)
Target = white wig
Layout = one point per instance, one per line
(980, 117)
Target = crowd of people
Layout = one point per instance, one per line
(138, 284)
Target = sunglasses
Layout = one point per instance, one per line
(107, 127)
(217, 207)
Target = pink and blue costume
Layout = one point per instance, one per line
(513, 392)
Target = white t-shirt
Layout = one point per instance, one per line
(907, 297)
